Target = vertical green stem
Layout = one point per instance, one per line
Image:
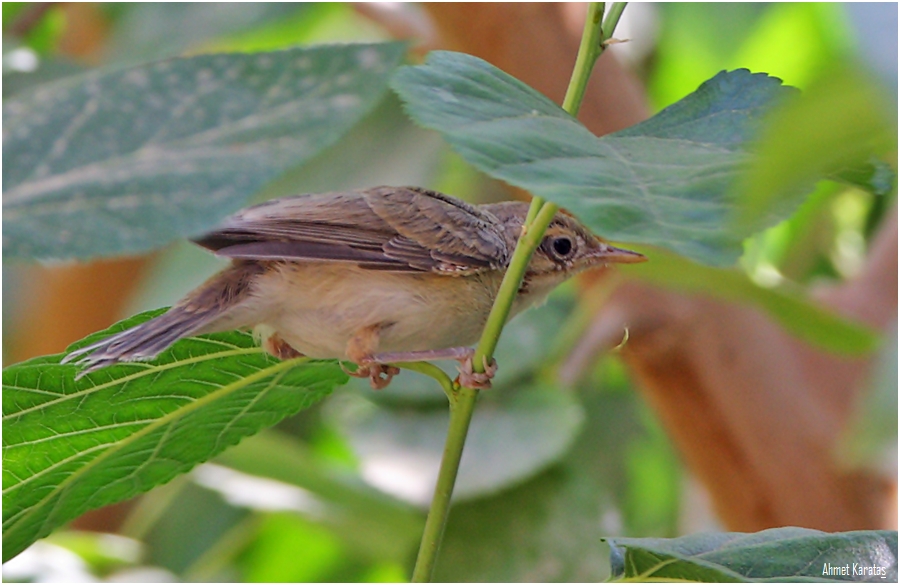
(611, 21)
(512, 280)
(588, 52)
(461, 409)
(540, 214)
(462, 404)
(593, 43)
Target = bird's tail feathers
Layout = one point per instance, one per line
(139, 343)
(197, 313)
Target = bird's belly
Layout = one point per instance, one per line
(323, 306)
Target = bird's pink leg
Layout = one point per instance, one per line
(280, 348)
(467, 376)
(360, 349)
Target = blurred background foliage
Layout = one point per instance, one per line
(337, 492)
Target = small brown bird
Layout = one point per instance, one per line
(375, 276)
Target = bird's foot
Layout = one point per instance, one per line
(376, 368)
(379, 375)
(469, 378)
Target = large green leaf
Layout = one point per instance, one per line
(663, 182)
(73, 445)
(115, 162)
(796, 554)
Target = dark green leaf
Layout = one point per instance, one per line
(73, 445)
(110, 163)
(663, 182)
(793, 310)
(779, 554)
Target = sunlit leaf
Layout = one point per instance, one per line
(73, 445)
(837, 127)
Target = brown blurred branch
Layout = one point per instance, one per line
(66, 303)
(755, 412)
(538, 42)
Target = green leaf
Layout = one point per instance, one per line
(779, 554)
(73, 445)
(792, 41)
(288, 548)
(792, 309)
(662, 182)
(124, 161)
(42, 35)
(837, 128)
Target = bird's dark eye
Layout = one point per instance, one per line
(559, 247)
(562, 246)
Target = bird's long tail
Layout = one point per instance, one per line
(199, 312)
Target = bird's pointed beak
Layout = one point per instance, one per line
(612, 255)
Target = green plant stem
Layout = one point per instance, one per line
(435, 372)
(461, 408)
(536, 204)
(512, 280)
(597, 31)
(588, 51)
(462, 403)
(540, 214)
(611, 22)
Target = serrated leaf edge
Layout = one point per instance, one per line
(151, 369)
(276, 370)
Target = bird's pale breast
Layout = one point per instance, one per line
(318, 307)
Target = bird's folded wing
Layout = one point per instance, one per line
(385, 228)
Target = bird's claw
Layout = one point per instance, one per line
(469, 378)
(379, 375)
